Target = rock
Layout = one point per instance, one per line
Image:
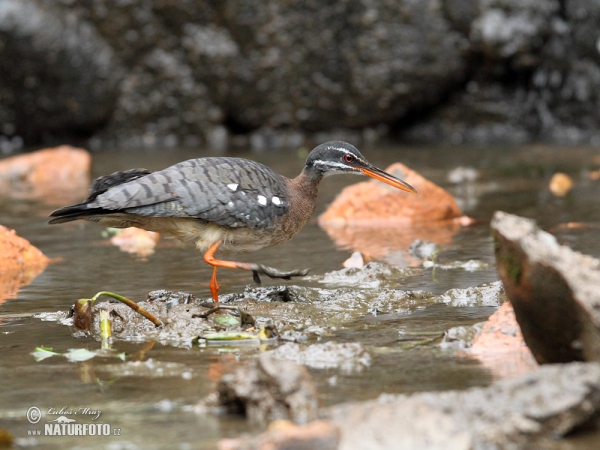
(188, 68)
(373, 203)
(461, 337)
(531, 411)
(284, 435)
(512, 28)
(20, 263)
(373, 275)
(547, 49)
(64, 164)
(59, 77)
(553, 289)
(499, 337)
(269, 389)
(368, 213)
(355, 260)
(560, 184)
(135, 240)
(348, 356)
(268, 61)
(296, 312)
(168, 73)
(53, 175)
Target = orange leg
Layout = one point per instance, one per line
(209, 258)
(214, 285)
(256, 269)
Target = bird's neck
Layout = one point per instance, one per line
(306, 184)
(303, 194)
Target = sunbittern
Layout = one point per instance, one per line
(217, 202)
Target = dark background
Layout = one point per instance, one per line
(276, 73)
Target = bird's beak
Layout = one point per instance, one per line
(380, 175)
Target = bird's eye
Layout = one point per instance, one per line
(348, 158)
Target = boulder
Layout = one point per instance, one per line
(531, 411)
(58, 75)
(553, 289)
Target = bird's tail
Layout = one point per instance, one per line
(74, 212)
(99, 186)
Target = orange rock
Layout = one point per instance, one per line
(137, 241)
(500, 345)
(20, 262)
(377, 220)
(560, 184)
(50, 174)
(374, 203)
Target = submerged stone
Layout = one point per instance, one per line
(267, 389)
(347, 356)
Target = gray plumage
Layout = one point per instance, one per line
(230, 192)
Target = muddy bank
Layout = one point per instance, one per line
(297, 313)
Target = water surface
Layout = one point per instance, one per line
(157, 412)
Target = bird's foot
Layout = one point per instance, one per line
(259, 269)
(245, 318)
(216, 308)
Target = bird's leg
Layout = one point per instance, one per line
(214, 285)
(256, 269)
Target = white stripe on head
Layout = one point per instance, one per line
(346, 152)
(331, 165)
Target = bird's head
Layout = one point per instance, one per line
(340, 157)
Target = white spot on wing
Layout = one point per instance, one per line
(233, 186)
(276, 200)
(262, 200)
(230, 204)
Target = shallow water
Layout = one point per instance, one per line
(157, 411)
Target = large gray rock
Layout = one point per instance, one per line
(554, 290)
(193, 67)
(522, 413)
(176, 72)
(535, 75)
(57, 75)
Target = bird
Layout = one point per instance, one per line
(221, 203)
